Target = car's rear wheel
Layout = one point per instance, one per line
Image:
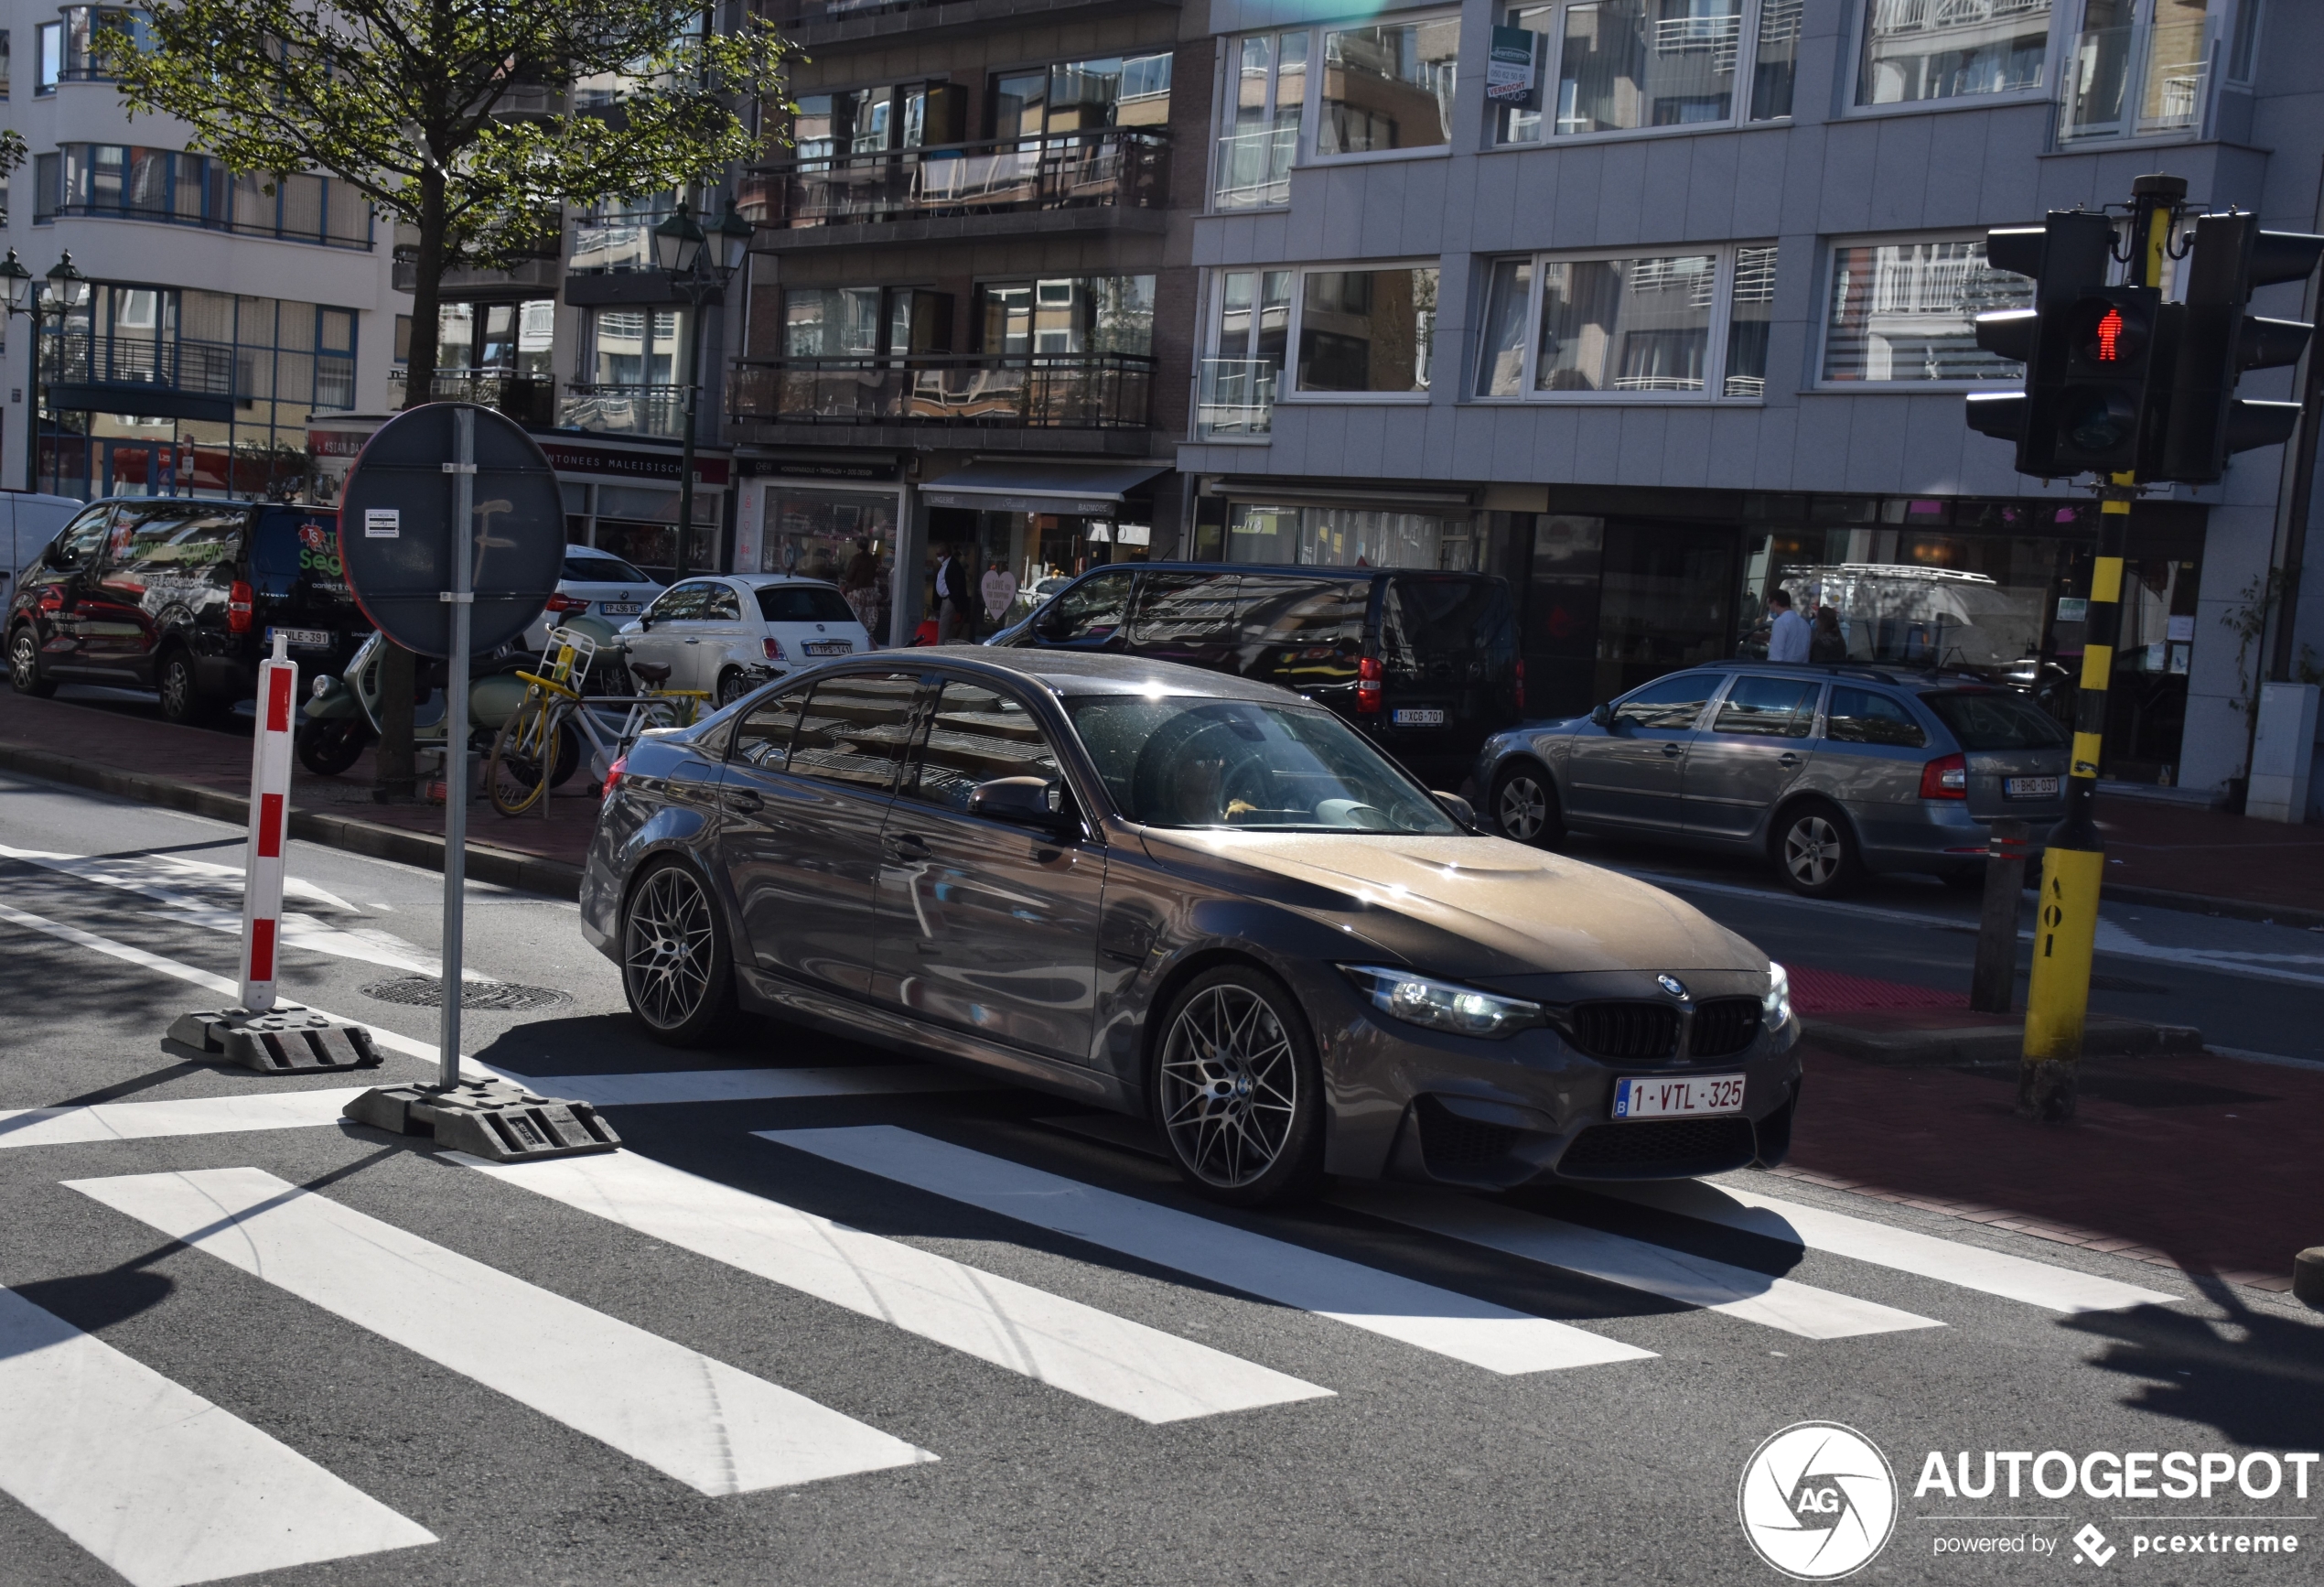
(24, 665)
(179, 687)
(1237, 1090)
(1523, 804)
(1968, 877)
(1816, 851)
(676, 968)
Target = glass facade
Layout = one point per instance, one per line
(1388, 86)
(1925, 49)
(1347, 537)
(129, 182)
(1367, 330)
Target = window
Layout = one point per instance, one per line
(595, 567)
(764, 738)
(4, 63)
(49, 41)
(1081, 96)
(1260, 142)
(637, 347)
(1917, 51)
(1668, 703)
(1366, 330)
(2243, 50)
(722, 605)
(683, 604)
(1768, 709)
(1348, 537)
(854, 729)
(2135, 68)
(131, 182)
(1906, 312)
(1863, 717)
(1382, 88)
(1680, 325)
(976, 735)
(1249, 335)
(802, 603)
(1067, 315)
(514, 339)
(1605, 66)
(1992, 721)
(1090, 612)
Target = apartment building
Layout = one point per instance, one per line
(1658, 306)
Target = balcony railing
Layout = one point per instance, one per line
(624, 410)
(1110, 167)
(1237, 398)
(205, 369)
(1254, 167)
(614, 244)
(530, 399)
(1010, 391)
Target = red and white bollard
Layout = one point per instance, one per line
(269, 776)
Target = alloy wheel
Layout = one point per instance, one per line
(24, 661)
(1230, 1086)
(668, 949)
(1522, 809)
(1812, 851)
(176, 689)
(731, 688)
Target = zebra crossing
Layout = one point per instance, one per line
(168, 1488)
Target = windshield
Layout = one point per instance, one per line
(1992, 721)
(803, 603)
(1190, 762)
(597, 567)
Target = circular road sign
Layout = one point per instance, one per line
(396, 537)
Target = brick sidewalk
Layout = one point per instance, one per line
(2210, 854)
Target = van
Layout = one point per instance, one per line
(1423, 663)
(29, 522)
(182, 596)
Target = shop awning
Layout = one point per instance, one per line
(1086, 489)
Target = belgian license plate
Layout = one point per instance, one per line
(1664, 1096)
(1410, 717)
(2030, 788)
(304, 638)
(618, 608)
(829, 647)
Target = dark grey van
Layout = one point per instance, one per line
(1423, 663)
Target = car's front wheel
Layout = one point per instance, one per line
(676, 968)
(1817, 851)
(1237, 1090)
(24, 665)
(1523, 804)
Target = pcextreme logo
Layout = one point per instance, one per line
(1817, 1501)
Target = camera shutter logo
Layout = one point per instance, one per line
(1817, 1501)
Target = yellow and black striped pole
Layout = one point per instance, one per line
(2066, 928)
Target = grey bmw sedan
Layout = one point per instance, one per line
(1190, 899)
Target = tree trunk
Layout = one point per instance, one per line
(396, 777)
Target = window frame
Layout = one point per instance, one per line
(1287, 387)
(931, 703)
(1724, 257)
(1852, 73)
(1821, 341)
(1551, 61)
(2219, 31)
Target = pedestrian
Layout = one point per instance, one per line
(1000, 590)
(955, 616)
(1788, 637)
(859, 585)
(1828, 644)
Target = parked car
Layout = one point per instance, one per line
(594, 584)
(182, 596)
(1830, 772)
(1425, 664)
(1193, 898)
(726, 636)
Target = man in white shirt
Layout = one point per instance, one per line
(1789, 639)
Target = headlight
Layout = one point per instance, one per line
(322, 686)
(1775, 1008)
(1441, 1005)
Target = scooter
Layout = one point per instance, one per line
(342, 716)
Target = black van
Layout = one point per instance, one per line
(182, 596)
(1424, 663)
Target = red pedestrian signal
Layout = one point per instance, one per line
(2110, 336)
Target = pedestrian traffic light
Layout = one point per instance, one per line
(2102, 409)
(2219, 341)
(2088, 349)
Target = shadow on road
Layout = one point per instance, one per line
(2253, 1376)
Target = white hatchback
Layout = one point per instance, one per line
(595, 583)
(726, 635)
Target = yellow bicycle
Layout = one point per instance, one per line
(542, 743)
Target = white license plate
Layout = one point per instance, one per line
(1664, 1096)
(1410, 717)
(618, 608)
(2030, 788)
(305, 638)
(829, 647)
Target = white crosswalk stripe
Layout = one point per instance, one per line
(1773, 1302)
(1128, 1366)
(706, 1424)
(752, 1084)
(155, 1480)
(1433, 1319)
(177, 1116)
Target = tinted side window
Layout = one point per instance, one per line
(1767, 708)
(674, 605)
(1445, 627)
(1994, 721)
(1672, 702)
(803, 603)
(1091, 612)
(81, 539)
(1182, 613)
(1864, 717)
(764, 738)
(976, 735)
(854, 728)
(720, 604)
(1301, 634)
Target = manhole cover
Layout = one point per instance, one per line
(428, 993)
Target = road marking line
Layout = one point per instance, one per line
(710, 1426)
(751, 1085)
(1795, 1308)
(1127, 1366)
(1885, 1245)
(1460, 1326)
(179, 1116)
(156, 1481)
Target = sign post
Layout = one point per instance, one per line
(461, 597)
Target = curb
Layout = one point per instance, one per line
(1896, 1042)
(2231, 908)
(502, 866)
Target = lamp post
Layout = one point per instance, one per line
(23, 295)
(684, 254)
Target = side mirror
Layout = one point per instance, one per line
(1034, 802)
(1464, 813)
(1603, 715)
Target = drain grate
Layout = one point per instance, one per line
(428, 993)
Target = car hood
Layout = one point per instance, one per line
(1482, 906)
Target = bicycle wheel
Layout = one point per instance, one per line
(523, 754)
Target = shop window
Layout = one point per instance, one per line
(1683, 325)
(1366, 330)
(1618, 66)
(1348, 537)
(1905, 313)
(1916, 50)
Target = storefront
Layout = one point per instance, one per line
(824, 517)
(1034, 522)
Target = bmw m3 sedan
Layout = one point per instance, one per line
(1197, 900)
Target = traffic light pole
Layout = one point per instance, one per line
(2074, 864)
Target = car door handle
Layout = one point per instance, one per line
(1673, 747)
(909, 845)
(744, 800)
(1787, 759)
(693, 642)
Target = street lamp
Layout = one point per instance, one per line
(69, 287)
(683, 251)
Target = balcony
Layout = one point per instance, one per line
(624, 410)
(1237, 399)
(182, 380)
(1094, 391)
(532, 273)
(527, 399)
(1072, 182)
(812, 23)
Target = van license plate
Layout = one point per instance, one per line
(1410, 717)
(1664, 1096)
(304, 638)
(2030, 788)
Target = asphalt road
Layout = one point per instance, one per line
(928, 1337)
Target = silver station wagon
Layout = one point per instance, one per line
(1830, 772)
